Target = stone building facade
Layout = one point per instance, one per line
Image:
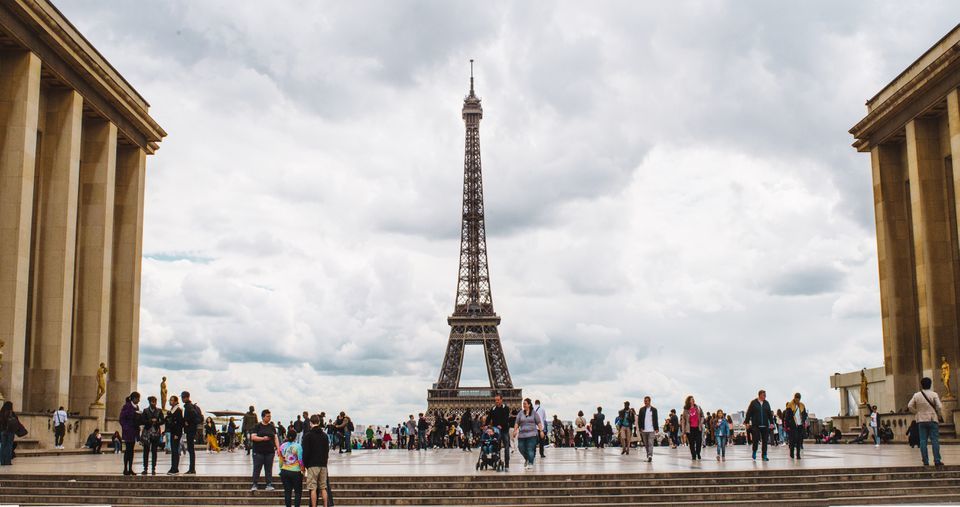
(912, 133)
(74, 139)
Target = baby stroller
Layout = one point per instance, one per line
(490, 451)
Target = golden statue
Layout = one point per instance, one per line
(101, 383)
(864, 392)
(163, 394)
(945, 377)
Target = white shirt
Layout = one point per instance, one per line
(541, 412)
(59, 417)
(873, 420)
(648, 419)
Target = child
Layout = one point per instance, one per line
(722, 432)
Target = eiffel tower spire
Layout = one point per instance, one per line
(473, 321)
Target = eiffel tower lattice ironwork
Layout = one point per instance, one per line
(474, 321)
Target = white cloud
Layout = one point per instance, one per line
(673, 205)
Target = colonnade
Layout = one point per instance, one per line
(71, 228)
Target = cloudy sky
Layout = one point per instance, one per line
(673, 205)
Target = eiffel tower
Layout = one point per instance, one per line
(473, 321)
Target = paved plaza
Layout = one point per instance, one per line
(558, 461)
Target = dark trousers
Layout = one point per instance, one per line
(292, 486)
(796, 441)
(421, 439)
(598, 439)
(174, 453)
(760, 435)
(58, 432)
(191, 435)
(540, 444)
(264, 461)
(150, 450)
(6, 447)
(695, 441)
(128, 455)
(505, 445)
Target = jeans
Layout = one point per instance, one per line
(695, 441)
(528, 448)
(647, 438)
(931, 430)
(174, 442)
(191, 442)
(150, 449)
(264, 461)
(760, 435)
(505, 445)
(345, 443)
(292, 486)
(58, 432)
(876, 435)
(6, 448)
(722, 446)
(421, 439)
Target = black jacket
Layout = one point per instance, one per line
(174, 422)
(316, 448)
(642, 417)
(759, 414)
(598, 420)
(152, 417)
(189, 412)
(501, 417)
(788, 421)
(422, 424)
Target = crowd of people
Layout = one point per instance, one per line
(303, 445)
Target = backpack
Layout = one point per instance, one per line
(196, 415)
(350, 425)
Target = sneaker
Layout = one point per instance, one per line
(269, 487)
(253, 488)
(143, 472)
(191, 472)
(649, 459)
(766, 458)
(718, 457)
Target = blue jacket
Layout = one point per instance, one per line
(723, 429)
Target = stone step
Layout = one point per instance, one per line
(822, 496)
(715, 489)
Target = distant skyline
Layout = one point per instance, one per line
(673, 205)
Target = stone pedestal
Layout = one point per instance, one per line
(863, 414)
(948, 407)
(99, 411)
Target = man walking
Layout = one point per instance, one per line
(758, 419)
(411, 428)
(649, 426)
(674, 429)
(597, 428)
(543, 418)
(192, 419)
(265, 446)
(500, 417)
(249, 422)
(422, 426)
(927, 408)
(625, 421)
(795, 421)
(316, 452)
(59, 427)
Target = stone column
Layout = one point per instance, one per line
(932, 244)
(953, 127)
(125, 298)
(59, 166)
(19, 112)
(901, 328)
(98, 165)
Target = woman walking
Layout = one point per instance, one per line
(528, 429)
(291, 470)
(9, 426)
(722, 434)
(580, 439)
(130, 430)
(466, 426)
(210, 431)
(795, 419)
(692, 423)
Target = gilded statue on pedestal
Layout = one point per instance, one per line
(101, 383)
(945, 377)
(864, 392)
(163, 394)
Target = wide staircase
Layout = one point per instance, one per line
(795, 487)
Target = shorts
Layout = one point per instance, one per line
(315, 479)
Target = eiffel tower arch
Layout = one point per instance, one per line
(473, 321)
